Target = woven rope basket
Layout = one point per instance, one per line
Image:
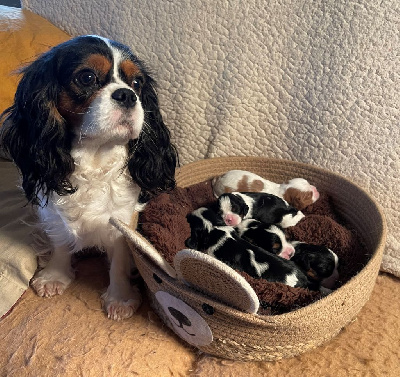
(220, 329)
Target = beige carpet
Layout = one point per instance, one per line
(69, 335)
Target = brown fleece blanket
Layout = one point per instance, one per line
(164, 224)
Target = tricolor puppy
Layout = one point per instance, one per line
(87, 135)
(234, 207)
(223, 243)
(318, 262)
(298, 192)
(268, 237)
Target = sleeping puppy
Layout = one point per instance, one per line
(298, 192)
(234, 207)
(223, 243)
(268, 237)
(318, 262)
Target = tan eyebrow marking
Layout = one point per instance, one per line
(100, 63)
(130, 69)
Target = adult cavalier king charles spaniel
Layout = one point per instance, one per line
(87, 135)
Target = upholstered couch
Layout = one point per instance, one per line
(214, 107)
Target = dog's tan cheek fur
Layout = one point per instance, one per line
(55, 114)
(71, 111)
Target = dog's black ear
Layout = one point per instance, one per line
(238, 205)
(301, 259)
(153, 158)
(244, 210)
(35, 134)
(191, 243)
(199, 239)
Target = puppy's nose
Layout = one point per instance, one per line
(232, 220)
(124, 97)
(287, 252)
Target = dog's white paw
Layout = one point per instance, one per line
(290, 220)
(118, 308)
(47, 285)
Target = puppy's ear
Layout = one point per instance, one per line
(302, 260)
(153, 158)
(298, 199)
(35, 134)
(245, 210)
(240, 207)
(191, 243)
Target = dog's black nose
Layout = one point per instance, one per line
(125, 97)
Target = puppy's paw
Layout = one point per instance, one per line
(291, 220)
(46, 284)
(118, 308)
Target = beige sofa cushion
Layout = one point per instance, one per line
(17, 257)
(23, 36)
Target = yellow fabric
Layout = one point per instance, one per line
(23, 36)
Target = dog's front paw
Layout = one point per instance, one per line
(291, 220)
(118, 308)
(48, 284)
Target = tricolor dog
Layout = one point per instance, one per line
(318, 262)
(234, 207)
(88, 137)
(268, 237)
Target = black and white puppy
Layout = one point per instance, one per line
(268, 237)
(224, 244)
(319, 263)
(87, 135)
(234, 207)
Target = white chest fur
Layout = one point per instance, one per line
(104, 189)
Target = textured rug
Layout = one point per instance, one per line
(69, 335)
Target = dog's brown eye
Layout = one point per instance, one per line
(137, 84)
(86, 78)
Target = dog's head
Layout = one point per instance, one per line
(300, 193)
(317, 261)
(92, 90)
(202, 221)
(268, 237)
(231, 208)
